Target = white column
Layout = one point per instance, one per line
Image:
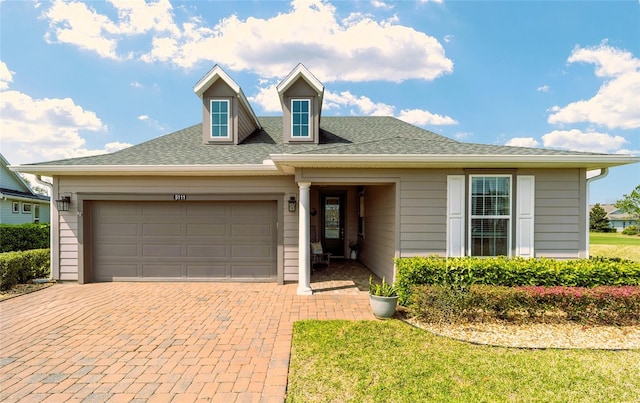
(304, 258)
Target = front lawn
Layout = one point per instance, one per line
(390, 361)
(613, 244)
(613, 238)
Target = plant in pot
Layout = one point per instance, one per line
(353, 246)
(383, 298)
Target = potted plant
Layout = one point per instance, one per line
(383, 298)
(353, 246)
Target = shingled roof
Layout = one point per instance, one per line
(370, 135)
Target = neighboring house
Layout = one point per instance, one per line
(618, 219)
(240, 197)
(19, 204)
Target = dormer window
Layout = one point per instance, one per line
(219, 118)
(300, 118)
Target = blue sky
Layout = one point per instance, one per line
(80, 78)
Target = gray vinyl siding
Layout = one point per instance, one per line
(378, 244)
(560, 219)
(246, 126)
(68, 230)
(423, 213)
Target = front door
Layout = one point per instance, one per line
(333, 223)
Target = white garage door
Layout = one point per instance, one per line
(184, 240)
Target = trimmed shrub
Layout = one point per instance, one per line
(20, 267)
(631, 230)
(23, 237)
(597, 306)
(461, 273)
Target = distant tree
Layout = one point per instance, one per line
(598, 221)
(41, 190)
(630, 203)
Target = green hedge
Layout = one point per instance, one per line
(604, 305)
(20, 267)
(23, 237)
(461, 273)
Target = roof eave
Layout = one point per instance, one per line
(264, 169)
(450, 161)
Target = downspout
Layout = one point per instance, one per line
(50, 187)
(603, 173)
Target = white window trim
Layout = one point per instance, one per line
(308, 101)
(26, 208)
(15, 207)
(211, 119)
(470, 216)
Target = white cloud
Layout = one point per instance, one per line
(6, 76)
(448, 38)
(361, 105)
(151, 122)
(615, 105)
(136, 84)
(543, 88)
(76, 23)
(381, 4)
(589, 141)
(46, 129)
(267, 98)
(422, 118)
(357, 48)
(523, 142)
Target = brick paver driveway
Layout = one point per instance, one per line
(157, 341)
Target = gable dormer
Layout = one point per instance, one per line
(227, 116)
(301, 100)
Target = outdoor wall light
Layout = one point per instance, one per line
(292, 204)
(63, 203)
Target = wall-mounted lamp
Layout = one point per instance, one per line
(292, 204)
(63, 203)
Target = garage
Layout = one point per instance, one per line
(189, 241)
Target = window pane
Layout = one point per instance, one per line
(489, 237)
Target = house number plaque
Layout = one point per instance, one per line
(179, 197)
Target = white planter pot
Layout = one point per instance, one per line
(383, 307)
(354, 255)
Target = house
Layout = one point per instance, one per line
(239, 197)
(618, 219)
(19, 204)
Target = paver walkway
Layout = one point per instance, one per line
(160, 342)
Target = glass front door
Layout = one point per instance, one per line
(333, 223)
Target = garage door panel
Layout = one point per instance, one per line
(105, 250)
(250, 210)
(158, 240)
(123, 229)
(208, 251)
(213, 230)
(114, 271)
(161, 271)
(162, 209)
(261, 251)
(162, 230)
(207, 210)
(162, 251)
(251, 230)
(207, 271)
(249, 271)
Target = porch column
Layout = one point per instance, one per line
(304, 247)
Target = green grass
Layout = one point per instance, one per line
(612, 238)
(390, 361)
(614, 245)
